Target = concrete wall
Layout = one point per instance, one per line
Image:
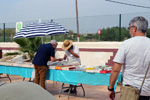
(91, 53)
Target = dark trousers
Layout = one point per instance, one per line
(40, 75)
(144, 98)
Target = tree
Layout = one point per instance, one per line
(29, 45)
(82, 38)
(112, 34)
(70, 33)
(148, 33)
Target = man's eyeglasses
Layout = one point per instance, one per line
(130, 27)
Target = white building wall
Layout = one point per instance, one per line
(90, 58)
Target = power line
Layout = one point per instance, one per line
(127, 4)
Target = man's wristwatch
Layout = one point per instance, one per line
(110, 89)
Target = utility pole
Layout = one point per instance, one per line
(77, 22)
(119, 27)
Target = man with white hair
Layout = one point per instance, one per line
(44, 53)
(133, 57)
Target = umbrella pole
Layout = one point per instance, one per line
(42, 39)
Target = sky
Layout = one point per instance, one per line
(27, 10)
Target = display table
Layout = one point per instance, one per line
(25, 72)
(64, 76)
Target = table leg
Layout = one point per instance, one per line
(9, 78)
(61, 89)
(83, 90)
(23, 78)
(69, 91)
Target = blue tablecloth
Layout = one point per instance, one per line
(14, 70)
(68, 77)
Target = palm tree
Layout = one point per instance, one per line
(29, 45)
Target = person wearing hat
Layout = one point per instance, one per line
(44, 53)
(71, 51)
(71, 54)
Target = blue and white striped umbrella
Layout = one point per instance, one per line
(40, 30)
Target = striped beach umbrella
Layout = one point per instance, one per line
(40, 30)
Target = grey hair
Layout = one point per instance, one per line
(54, 42)
(141, 23)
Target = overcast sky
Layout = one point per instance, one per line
(27, 10)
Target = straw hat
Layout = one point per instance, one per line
(67, 44)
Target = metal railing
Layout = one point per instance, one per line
(114, 27)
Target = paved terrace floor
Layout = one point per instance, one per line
(91, 92)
